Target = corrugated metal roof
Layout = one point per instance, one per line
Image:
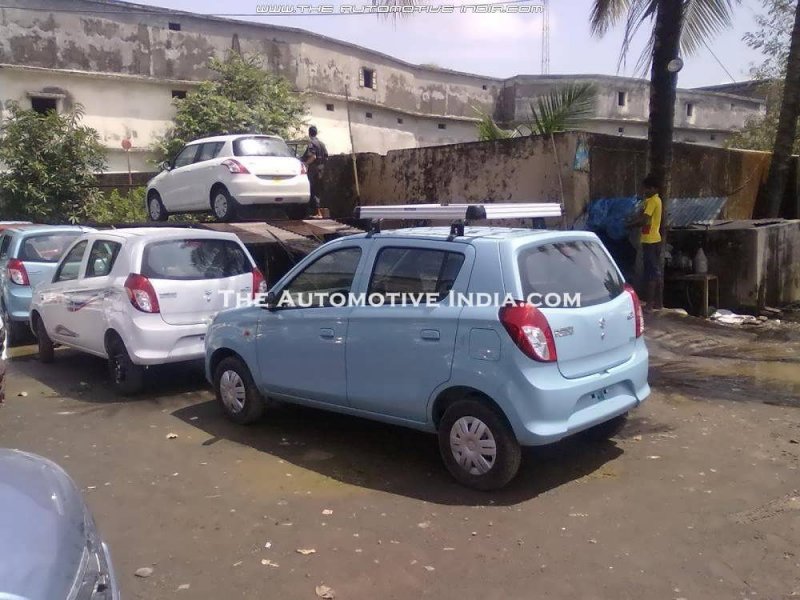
(683, 212)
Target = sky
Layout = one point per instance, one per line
(502, 45)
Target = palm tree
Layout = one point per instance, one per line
(679, 27)
(787, 125)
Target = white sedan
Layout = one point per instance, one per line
(142, 296)
(228, 172)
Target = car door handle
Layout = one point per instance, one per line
(326, 333)
(430, 334)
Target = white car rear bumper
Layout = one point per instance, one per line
(254, 189)
(151, 341)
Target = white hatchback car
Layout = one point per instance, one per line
(228, 172)
(141, 296)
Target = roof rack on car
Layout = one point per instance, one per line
(457, 214)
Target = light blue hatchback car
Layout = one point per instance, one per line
(29, 255)
(494, 338)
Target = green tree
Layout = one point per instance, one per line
(242, 98)
(772, 37)
(50, 161)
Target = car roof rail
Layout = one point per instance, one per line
(459, 215)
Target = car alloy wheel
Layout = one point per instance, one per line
(155, 209)
(232, 391)
(473, 445)
(220, 205)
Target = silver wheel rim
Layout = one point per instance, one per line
(473, 445)
(220, 205)
(155, 209)
(232, 391)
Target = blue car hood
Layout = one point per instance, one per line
(42, 528)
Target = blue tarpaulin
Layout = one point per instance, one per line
(608, 216)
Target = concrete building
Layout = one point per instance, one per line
(126, 62)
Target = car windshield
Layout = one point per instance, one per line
(569, 268)
(46, 247)
(260, 146)
(193, 259)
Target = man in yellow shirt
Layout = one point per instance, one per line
(649, 220)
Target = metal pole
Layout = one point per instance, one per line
(352, 147)
(130, 177)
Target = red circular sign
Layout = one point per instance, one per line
(126, 144)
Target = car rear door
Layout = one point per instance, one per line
(399, 353)
(196, 277)
(580, 290)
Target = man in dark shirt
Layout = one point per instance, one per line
(314, 158)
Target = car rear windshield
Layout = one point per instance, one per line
(566, 269)
(260, 146)
(46, 247)
(193, 259)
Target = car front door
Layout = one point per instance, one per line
(176, 186)
(58, 300)
(301, 341)
(399, 352)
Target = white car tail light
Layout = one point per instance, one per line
(530, 331)
(259, 284)
(141, 293)
(235, 167)
(637, 310)
(17, 273)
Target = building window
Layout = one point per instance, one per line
(44, 105)
(442, 125)
(368, 78)
(733, 106)
(369, 115)
(689, 109)
(329, 107)
(174, 26)
(620, 129)
(713, 137)
(399, 120)
(622, 99)
(179, 94)
(484, 87)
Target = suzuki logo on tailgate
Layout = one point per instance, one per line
(207, 295)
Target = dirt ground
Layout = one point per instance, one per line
(697, 499)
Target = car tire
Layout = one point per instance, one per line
(237, 393)
(223, 205)
(155, 207)
(126, 376)
(46, 347)
(471, 424)
(14, 331)
(607, 430)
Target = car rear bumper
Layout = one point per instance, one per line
(151, 341)
(18, 302)
(252, 189)
(546, 407)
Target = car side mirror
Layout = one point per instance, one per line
(165, 165)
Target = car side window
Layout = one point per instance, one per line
(208, 151)
(69, 268)
(415, 271)
(185, 157)
(102, 257)
(4, 244)
(330, 274)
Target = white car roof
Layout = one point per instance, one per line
(164, 233)
(227, 138)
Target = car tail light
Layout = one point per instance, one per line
(17, 272)
(637, 310)
(141, 293)
(235, 167)
(303, 168)
(530, 331)
(259, 284)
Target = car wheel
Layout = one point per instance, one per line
(477, 445)
(46, 348)
(126, 376)
(607, 430)
(237, 393)
(155, 207)
(13, 331)
(222, 204)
